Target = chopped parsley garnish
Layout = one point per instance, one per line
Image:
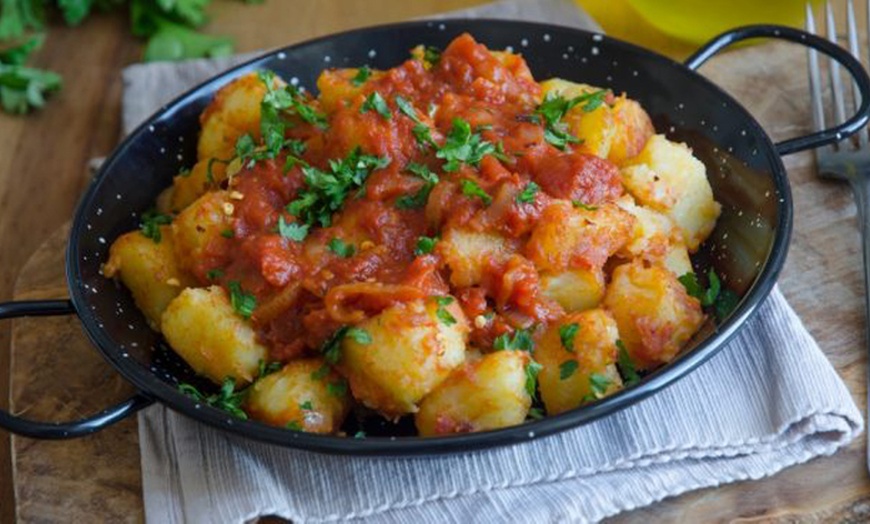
(431, 55)
(362, 74)
(423, 134)
(341, 248)
(418, 199)
(443, 315)
(625, 365)
(567, 368)
(214, 274)
(331, 348)
(264, 369)
(320, 372)
(359, 335)
(536, 413)
(425, 245)
(532, 370)
(554, 107)
(243, 303)
(326, 191)
(527, 195)
(470, 188)
(725, 303)
(567, 334)
(463, 147)
(227, 233)
(520, 341)
(294, 425)
(375, 102)
(337, 388)
(580, 205)
(228, 399)
(245, 149)
(306, 406)
(359, 434)
(599, 384)
(151, 222)
(292, 230)
(708, 296)
(289, 99)
(406, 108)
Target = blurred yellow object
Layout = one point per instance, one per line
(697, 21)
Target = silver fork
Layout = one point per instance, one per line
(846, 160)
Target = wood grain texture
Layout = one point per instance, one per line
(57, 375)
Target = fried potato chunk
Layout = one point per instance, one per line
(202, 327)
(667, 178)
(578, 355)
(655, 315)
(488, 393)
(410, 349)
(295, 398)
(149, 270)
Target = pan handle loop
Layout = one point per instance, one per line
(62, 430)
(819, 138)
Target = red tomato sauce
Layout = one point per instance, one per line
(305, 290)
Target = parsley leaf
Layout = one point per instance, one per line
(214, 274)
(580, 205)
(536, 413)
(599, 384)
(567, 334)
(243, 303)
(264, 369)
(23, 88)
(294, 425)
(341, 248)
(292, 230)
(567, 368)
(359, 434)
(362, 74)
(17, 55)
(725, 303)
(443, 315)
(375, 102)
(521, 341)
(463, 146)
(431, 55)
(306, 406)
(425, 245)
(423, 134)
(337, 388)
(532, 370)
(331, 348)
(626, 366)
(554, 107)
(708, 296)
(406, 108)
(470, 188)
(326, 191)
(151, 222)
(228, 399)
(420, 198)
(359, 335)
(527, 195)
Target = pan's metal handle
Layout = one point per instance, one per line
(820, 138)
(62, 430)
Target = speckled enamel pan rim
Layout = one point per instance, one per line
(150, 385)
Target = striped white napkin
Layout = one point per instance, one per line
(766, 402)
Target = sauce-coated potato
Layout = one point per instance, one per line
(574, 289)
(202, 327)
(655, 315)
(412, 349)
(200, 225)
(633, 128)
(467, 253)
(149, 271)
(570, 378)
(292, 397)
(488, 393)
(666, 177)
(234, 111)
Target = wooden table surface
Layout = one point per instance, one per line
(43, 159)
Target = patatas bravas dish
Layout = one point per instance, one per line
(448, 239)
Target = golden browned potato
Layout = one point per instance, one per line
(297, 398)
(234, 111)
(666, 177)
(407, 350)
(488, 393)
(205, 221)
(578, 359)
(632, 129)
(467, 253)
(148, 269)
(596, 128)
(655, 315)
(568, 237)
(189, 186)
(575, 289)
(338, 87)
(202, 327)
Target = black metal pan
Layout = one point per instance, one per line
(748, 246)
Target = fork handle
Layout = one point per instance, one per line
(827, 136)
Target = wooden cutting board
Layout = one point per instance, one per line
(56, 375)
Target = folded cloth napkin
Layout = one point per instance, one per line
(767, 401)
